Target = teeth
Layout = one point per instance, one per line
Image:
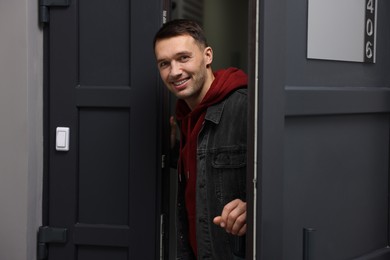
(179, 82)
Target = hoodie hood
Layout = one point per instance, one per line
(226, 81)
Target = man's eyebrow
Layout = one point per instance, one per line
(181, 53)
(160, 60)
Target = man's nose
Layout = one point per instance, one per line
(175, 69)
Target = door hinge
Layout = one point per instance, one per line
(44, 8)
(49, 235)
(164, 16)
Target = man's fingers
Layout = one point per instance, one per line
(238, 224)
(228, 209)
(235, 210)
(217, 220)
(242, 231)
(233, 217)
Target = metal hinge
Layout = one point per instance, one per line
(49, 235)
(44, 8)
(164, 16)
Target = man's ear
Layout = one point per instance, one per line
(208, 54)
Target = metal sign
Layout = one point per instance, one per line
(343, 30)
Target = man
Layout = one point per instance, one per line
(211, 112)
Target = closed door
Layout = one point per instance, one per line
(323, 148)
(102, 84)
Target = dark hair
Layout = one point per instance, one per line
(180, 27)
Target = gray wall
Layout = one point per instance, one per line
(21, 129)
(226, 25)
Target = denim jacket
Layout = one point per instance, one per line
(221, 178)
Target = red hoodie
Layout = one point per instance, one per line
(225, 82)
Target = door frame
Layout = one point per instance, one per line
(252, 131)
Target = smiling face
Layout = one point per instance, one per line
(185, 67)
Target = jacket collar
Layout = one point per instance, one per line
(214, 113)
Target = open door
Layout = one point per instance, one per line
(229, 40)
(102, 191)
(323, 148)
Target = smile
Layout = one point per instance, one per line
(181, 82)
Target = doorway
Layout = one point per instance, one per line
(226, 24)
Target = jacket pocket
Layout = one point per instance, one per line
(228, 174)
(229, 157)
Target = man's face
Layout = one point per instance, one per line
(183, 67)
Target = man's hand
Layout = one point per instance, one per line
(233, 218)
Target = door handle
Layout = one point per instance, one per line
(308, 243)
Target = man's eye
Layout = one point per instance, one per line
(184, 58)
(162, 64)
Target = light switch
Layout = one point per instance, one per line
(62, 139)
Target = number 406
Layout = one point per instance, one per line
(370, 7)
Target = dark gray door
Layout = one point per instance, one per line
(103, 85)
(323, 156)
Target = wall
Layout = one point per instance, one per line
(21, 128)
(225, 23)
(226, 28)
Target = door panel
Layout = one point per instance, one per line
(324, 144)
(100, 173)
(104, 85)
(336, 181)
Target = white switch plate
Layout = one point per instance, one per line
(62, 138)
